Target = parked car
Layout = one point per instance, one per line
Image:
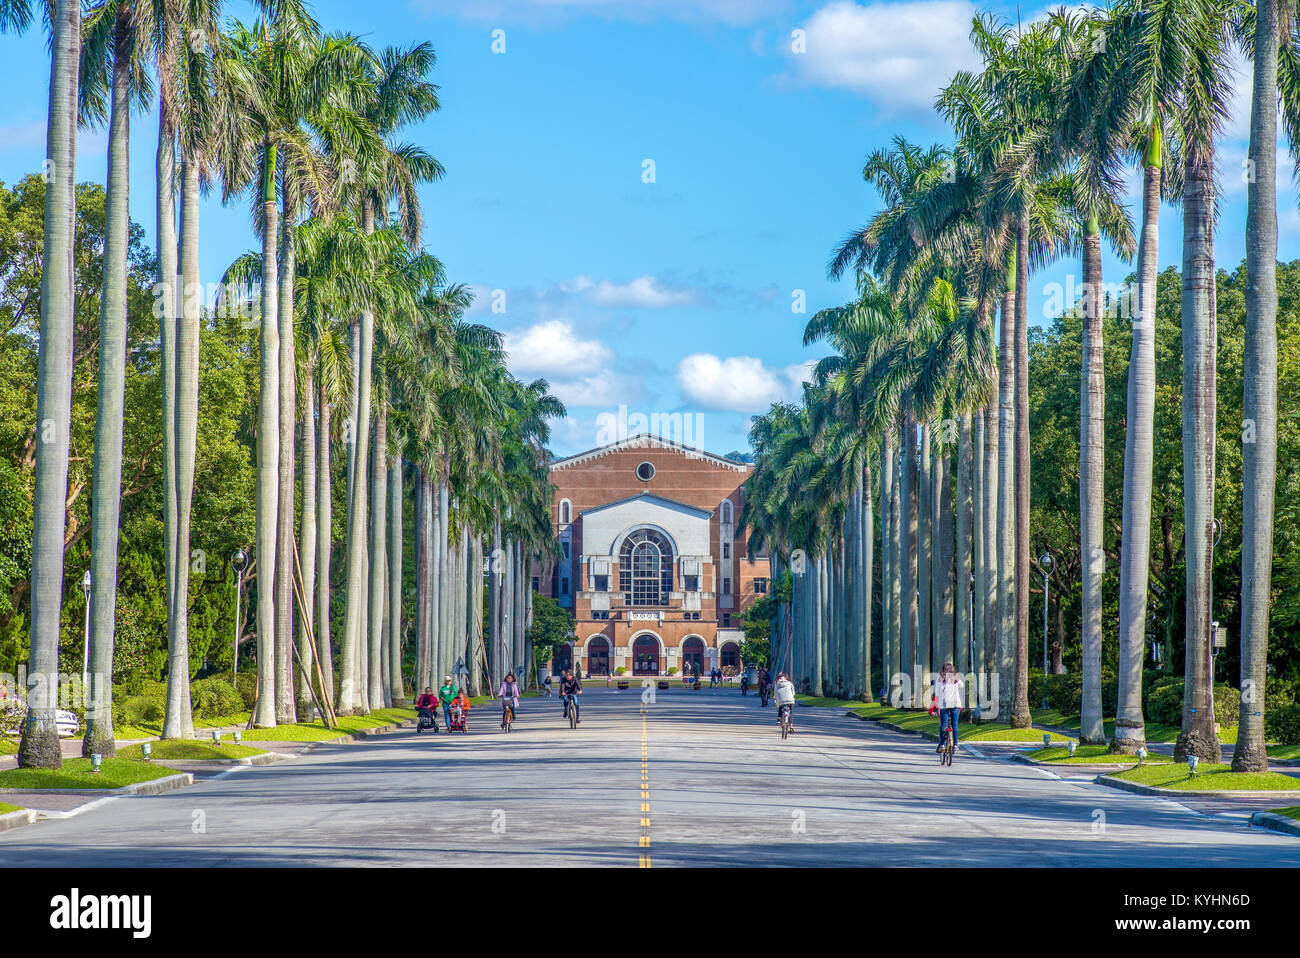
(67, 723)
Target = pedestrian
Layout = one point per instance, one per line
(446, 694)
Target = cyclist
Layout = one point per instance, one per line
(948, 700)
(570, 689)
(509, 696)
(784, 695)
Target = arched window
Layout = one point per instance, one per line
(566, 512)
(726, 510)
(645, 568)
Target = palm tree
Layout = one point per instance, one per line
(39, 745)
(114, 48)
(1274, 28)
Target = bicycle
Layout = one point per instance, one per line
(571, 710)
(784, 716)
(949, 747)
(507, 715)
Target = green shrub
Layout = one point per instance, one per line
(672, 670)
(1282, 724)
(1227, 706)
(1165, 704)
(620, 671)
(214, 697)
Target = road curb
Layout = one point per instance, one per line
(931, 735)
(1186, 793)
(152, 787)
(1275, 822)
(1080, 766)
(24, 816)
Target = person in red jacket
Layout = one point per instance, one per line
(427, 707)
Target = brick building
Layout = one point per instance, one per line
(655, 572)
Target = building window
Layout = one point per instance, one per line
(760, 587)
(600, 616)
(645, 568)
(690, 583)
(537, 584)
(691, 616)
(726, 510)
(566, 512)
(645, 472)
(564, 587)
(601, 583)
(564, 546)
(726, 586)
(726, 550)
(726, 620)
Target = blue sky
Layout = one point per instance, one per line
(670, 296)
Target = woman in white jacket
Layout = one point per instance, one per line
(784, 695)
(948, 700)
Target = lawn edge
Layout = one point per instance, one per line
(24, 816)
(1192, 792)
(155, 786)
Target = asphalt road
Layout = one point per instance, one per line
(720, 788)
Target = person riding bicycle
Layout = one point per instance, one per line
(509, 696)
(948, 701)
(427, 706)
(570, 687)
(784, 695)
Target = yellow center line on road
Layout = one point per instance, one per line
(644, 843)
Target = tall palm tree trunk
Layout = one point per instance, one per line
(268, 451)
(865, 587)
(324, 540)
(979, 557)
(962, 572)
(378, 604)
(942, 578)
(911, 631)
(1259, 400)
(1006, 507)
(896, 564)
(1092, 463)
(1020, 717)
(178, 720)
(925, 561)
(395, 496)
(110, 408)
(285, 706)
(307, 538)
(39, 746)
(992, 581)
(1139, 451)
(886, 555)
(1199, 323)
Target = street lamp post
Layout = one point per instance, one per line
(1045, 565)
(238, 562)
(85, 651)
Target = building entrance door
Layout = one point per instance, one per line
(598, 657)
(692, 654)
(645, 656)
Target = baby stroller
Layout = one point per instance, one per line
(459, 719)
(428, 719)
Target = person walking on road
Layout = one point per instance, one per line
(446, 693)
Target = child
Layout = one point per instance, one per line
(460, 706)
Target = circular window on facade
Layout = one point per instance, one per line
(645, 472)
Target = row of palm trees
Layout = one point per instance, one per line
(1043, 134)
(362, 340)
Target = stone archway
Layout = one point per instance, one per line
(598, 653)
(647, 654)
(693, 652)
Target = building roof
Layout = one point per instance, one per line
(648, 497)
(649, 441)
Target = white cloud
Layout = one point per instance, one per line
(553, 348)
(645, 292)
(899, 54)
(604, 387)
(737, 383)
